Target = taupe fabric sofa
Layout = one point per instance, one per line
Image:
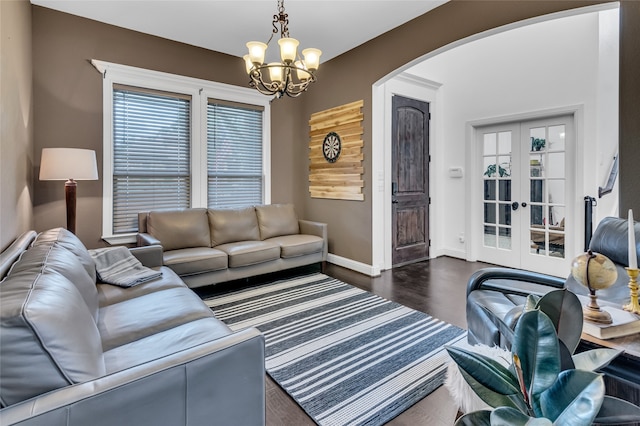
(74, 352)
(209, 246)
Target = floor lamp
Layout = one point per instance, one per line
(69, 164)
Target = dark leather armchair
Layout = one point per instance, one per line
(500, 292)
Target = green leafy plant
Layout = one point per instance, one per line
(491, 171)
(546, 384)
(537, 144)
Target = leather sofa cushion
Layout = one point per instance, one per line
(177, 229)
(110, 294)
(53, 257)
(231, 225)
(297, 245)
(69, 241)
(247, 253)
(137, 318)
(164, 343)
(49, 338)
(195, 260)
(275, 220)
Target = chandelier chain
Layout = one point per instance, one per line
(281, 18)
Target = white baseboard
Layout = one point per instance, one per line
(460, 254)
(354, 265)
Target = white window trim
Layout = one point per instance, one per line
(200, 91)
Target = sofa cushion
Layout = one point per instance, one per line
(195, 260)
(277, 219)
(53, 257)
(69, 241)
(297, 245)
(164, 343)
(245, 253)
(110, 294)
(140, 317)
(49, 338)
(177, 229)
(231, 225)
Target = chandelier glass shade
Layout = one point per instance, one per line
(293, 74)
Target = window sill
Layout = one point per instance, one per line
(116, 240)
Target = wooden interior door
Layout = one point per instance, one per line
(410, 184)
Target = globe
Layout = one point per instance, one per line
(599, 274)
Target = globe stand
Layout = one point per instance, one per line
(633, 305)
(593, 313)
(598, 281)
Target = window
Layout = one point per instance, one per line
(178, 142)
(234, 155)
(151, 154)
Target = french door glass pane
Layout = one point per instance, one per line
(489, 189)
(547, 186)
(490, 236)
(497, 189)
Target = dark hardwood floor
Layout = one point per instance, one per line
(437, 287)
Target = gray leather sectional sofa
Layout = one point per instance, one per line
(209, 246)
(76, 352)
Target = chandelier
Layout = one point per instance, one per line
(292, 75)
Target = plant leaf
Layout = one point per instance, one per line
(566, 360)
(489, 373)
(574, 399)
(505, 416)
(492, 398)
(475, 418)
(617, 411)
(531, 302)
(595, 359)
(565, 311)
(536, 344)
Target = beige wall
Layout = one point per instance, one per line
(16, 120)
(68, 103)
(629, 107)
(67, 96)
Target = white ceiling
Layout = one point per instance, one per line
(225, 25)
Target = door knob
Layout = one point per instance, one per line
(514, 205)
(523, 204)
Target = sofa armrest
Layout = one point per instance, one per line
(513, 281)
(221, 382)
(319, 230)
(144, 239)
(149, 256)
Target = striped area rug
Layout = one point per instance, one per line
(347, 356)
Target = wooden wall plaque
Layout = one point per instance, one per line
(335, 153)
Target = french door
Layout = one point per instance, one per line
(527, 189)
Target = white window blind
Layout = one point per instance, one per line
(234, 155)
(151, 154)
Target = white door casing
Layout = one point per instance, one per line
(543, 183)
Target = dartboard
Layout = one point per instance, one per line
(331, 147)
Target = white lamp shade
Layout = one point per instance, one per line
(257, 50)
(68, 163)
(288, 49)
(275, 71)
(247, 63)
(301, 71)
(312, 58)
